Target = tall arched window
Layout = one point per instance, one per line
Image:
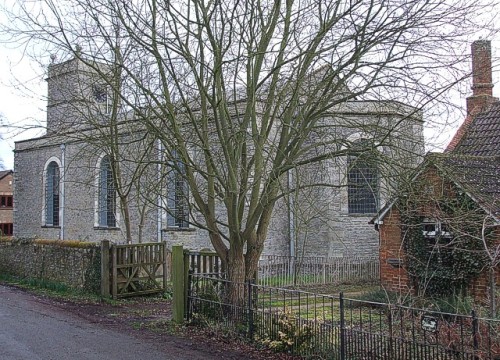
(177, 194)
(107, 195)
(363, 179)
(52, 194)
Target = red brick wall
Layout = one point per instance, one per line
(393, 278)
(6, 185)
(6, 189)
(479, 289)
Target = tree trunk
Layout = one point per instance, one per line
(236, 275)
(126, 218)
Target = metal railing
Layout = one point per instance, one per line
(335, 327)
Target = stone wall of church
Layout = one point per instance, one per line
(316, 220)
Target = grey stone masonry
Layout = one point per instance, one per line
(309, 221)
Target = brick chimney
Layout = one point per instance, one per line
(482, 83)
(482, 88)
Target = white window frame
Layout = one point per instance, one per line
(44, 191)
(97, 184)
(437, 229)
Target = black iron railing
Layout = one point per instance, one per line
(335, 327)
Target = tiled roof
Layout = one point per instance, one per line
(478, 176)
(482, 135)
(4, 173)
(459, 134)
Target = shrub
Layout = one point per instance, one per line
(287, 333)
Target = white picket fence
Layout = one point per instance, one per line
(286, 271)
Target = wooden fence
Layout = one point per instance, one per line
(204, 262)
(138, 269)
(134, 269)
(288, 271)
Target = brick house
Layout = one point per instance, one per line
(452, 203)
(6, 202)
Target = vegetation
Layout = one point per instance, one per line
(291, 334)
(50, 288)
(454, 255)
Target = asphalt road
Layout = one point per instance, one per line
(30, 329)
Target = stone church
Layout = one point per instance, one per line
(64, 181)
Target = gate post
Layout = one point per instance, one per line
(250, 302)
(165, 265)
(178, 281)
(342, 326)
(105, 268)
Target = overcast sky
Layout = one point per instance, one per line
(23, 101)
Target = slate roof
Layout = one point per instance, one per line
(482, 136)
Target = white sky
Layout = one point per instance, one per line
(23, 102)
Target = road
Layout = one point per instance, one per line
(33, 329)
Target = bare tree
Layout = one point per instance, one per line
(242, 92)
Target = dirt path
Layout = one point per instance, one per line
(144, 324)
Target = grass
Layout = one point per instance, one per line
(53, 289)
(63, 291)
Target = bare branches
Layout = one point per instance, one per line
(245, 92)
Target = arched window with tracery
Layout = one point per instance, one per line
(177, 194)
(363, 179)
(107, 195)
(52, 190)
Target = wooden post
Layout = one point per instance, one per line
(178, 283)
(105, 268)
(114, 287)
(186, 280)
(165, 266)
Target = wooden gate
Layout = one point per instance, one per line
(138, 269)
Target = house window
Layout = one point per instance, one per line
(362, 182)
(107, 195)
(52, 195)
(177, 194)
(438, 237)
(432, 228)
(6, 229)
(6, 201)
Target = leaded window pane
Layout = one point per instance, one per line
(177, 195)
(52, 195)
(107, 195)
(362, 188)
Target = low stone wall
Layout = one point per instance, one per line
(74, 263)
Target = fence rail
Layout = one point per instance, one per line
(334, 327)
(282, 271)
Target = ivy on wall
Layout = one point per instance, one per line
(445, 262)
